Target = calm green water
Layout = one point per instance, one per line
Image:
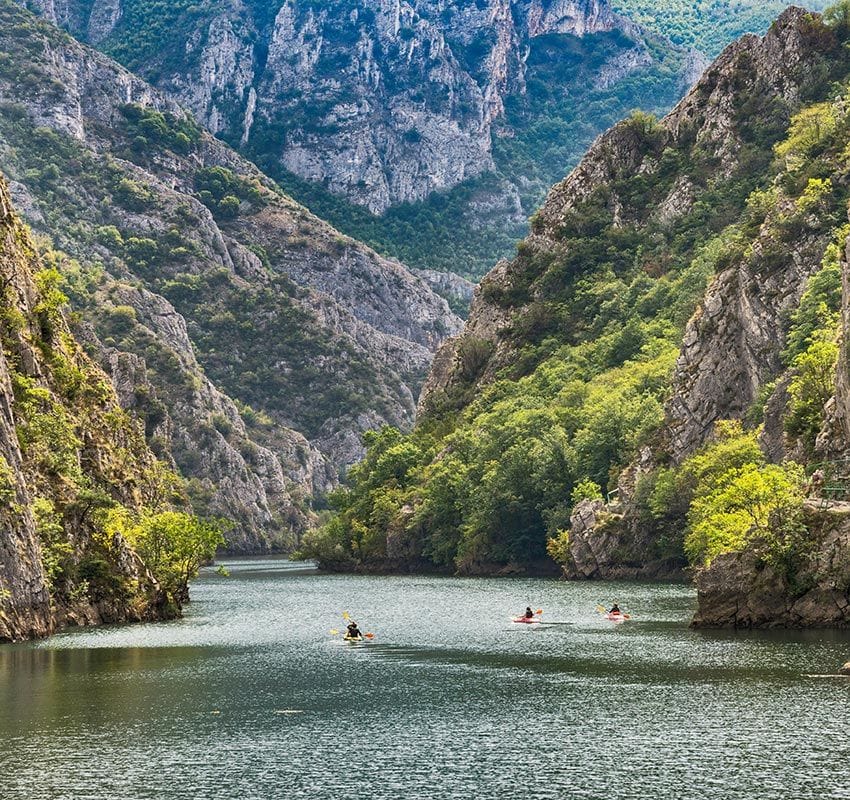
(250, 697)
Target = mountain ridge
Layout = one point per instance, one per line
(121, 187)
(666, 336)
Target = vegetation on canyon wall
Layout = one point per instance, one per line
(707, 25)
(596, 316)
(544, 132)
(72, 465)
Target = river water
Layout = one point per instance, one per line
(250, 696)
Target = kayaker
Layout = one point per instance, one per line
(615, 609)
(353, 632)
(529, 614)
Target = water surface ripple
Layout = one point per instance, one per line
(249, 697)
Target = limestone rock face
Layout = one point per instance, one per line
(743, 590)
(406, 92)
(264, 313)
(590, 546)
(606, 545)
(383, 101)
(457, 290)
(96, 448)
(734, 340)
(732, 345)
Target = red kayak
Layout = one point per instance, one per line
(617, 617)
(527, 620)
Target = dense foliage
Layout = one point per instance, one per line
(597, 311)
(706, 25)
(725, 495)
(172, 544)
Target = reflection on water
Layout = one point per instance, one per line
(251, 697)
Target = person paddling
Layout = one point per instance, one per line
(529, 614)
(353, 632)
(615, 609)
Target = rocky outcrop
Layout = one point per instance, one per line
(311, 334)
(732, 346)
(64, 443)
(381, 102)
(606, 545)
(839, 440)
(752, 590)
(594, 536)
(738, 323)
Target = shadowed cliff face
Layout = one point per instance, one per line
(382, 101)
(63, 439)
(255, 341)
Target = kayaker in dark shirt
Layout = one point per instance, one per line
(353, 632)
(615, 609)
(529, 614)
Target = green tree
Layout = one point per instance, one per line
(744, 503)
(172, 544)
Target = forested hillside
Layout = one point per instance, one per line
(429, 130)
(686, 272)
(707, 25)
(254, 341)
(93, 527)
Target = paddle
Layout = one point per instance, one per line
(347, 617)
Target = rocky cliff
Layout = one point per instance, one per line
(761, 347)
(66, 449)
(429, 129)
(646, 382)
(805, 582)
(255, 341)
(709, 138)
(384, 102)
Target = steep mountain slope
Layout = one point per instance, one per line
(384, 103)
(584, 368)
(707, 25)
(653, 194)
(66, 450)
(204, 283)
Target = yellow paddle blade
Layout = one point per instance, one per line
(345, 616)
(601, 609)
(334, 632)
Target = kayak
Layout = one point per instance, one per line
(617, 617)
(348, 638)
(527, 620)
